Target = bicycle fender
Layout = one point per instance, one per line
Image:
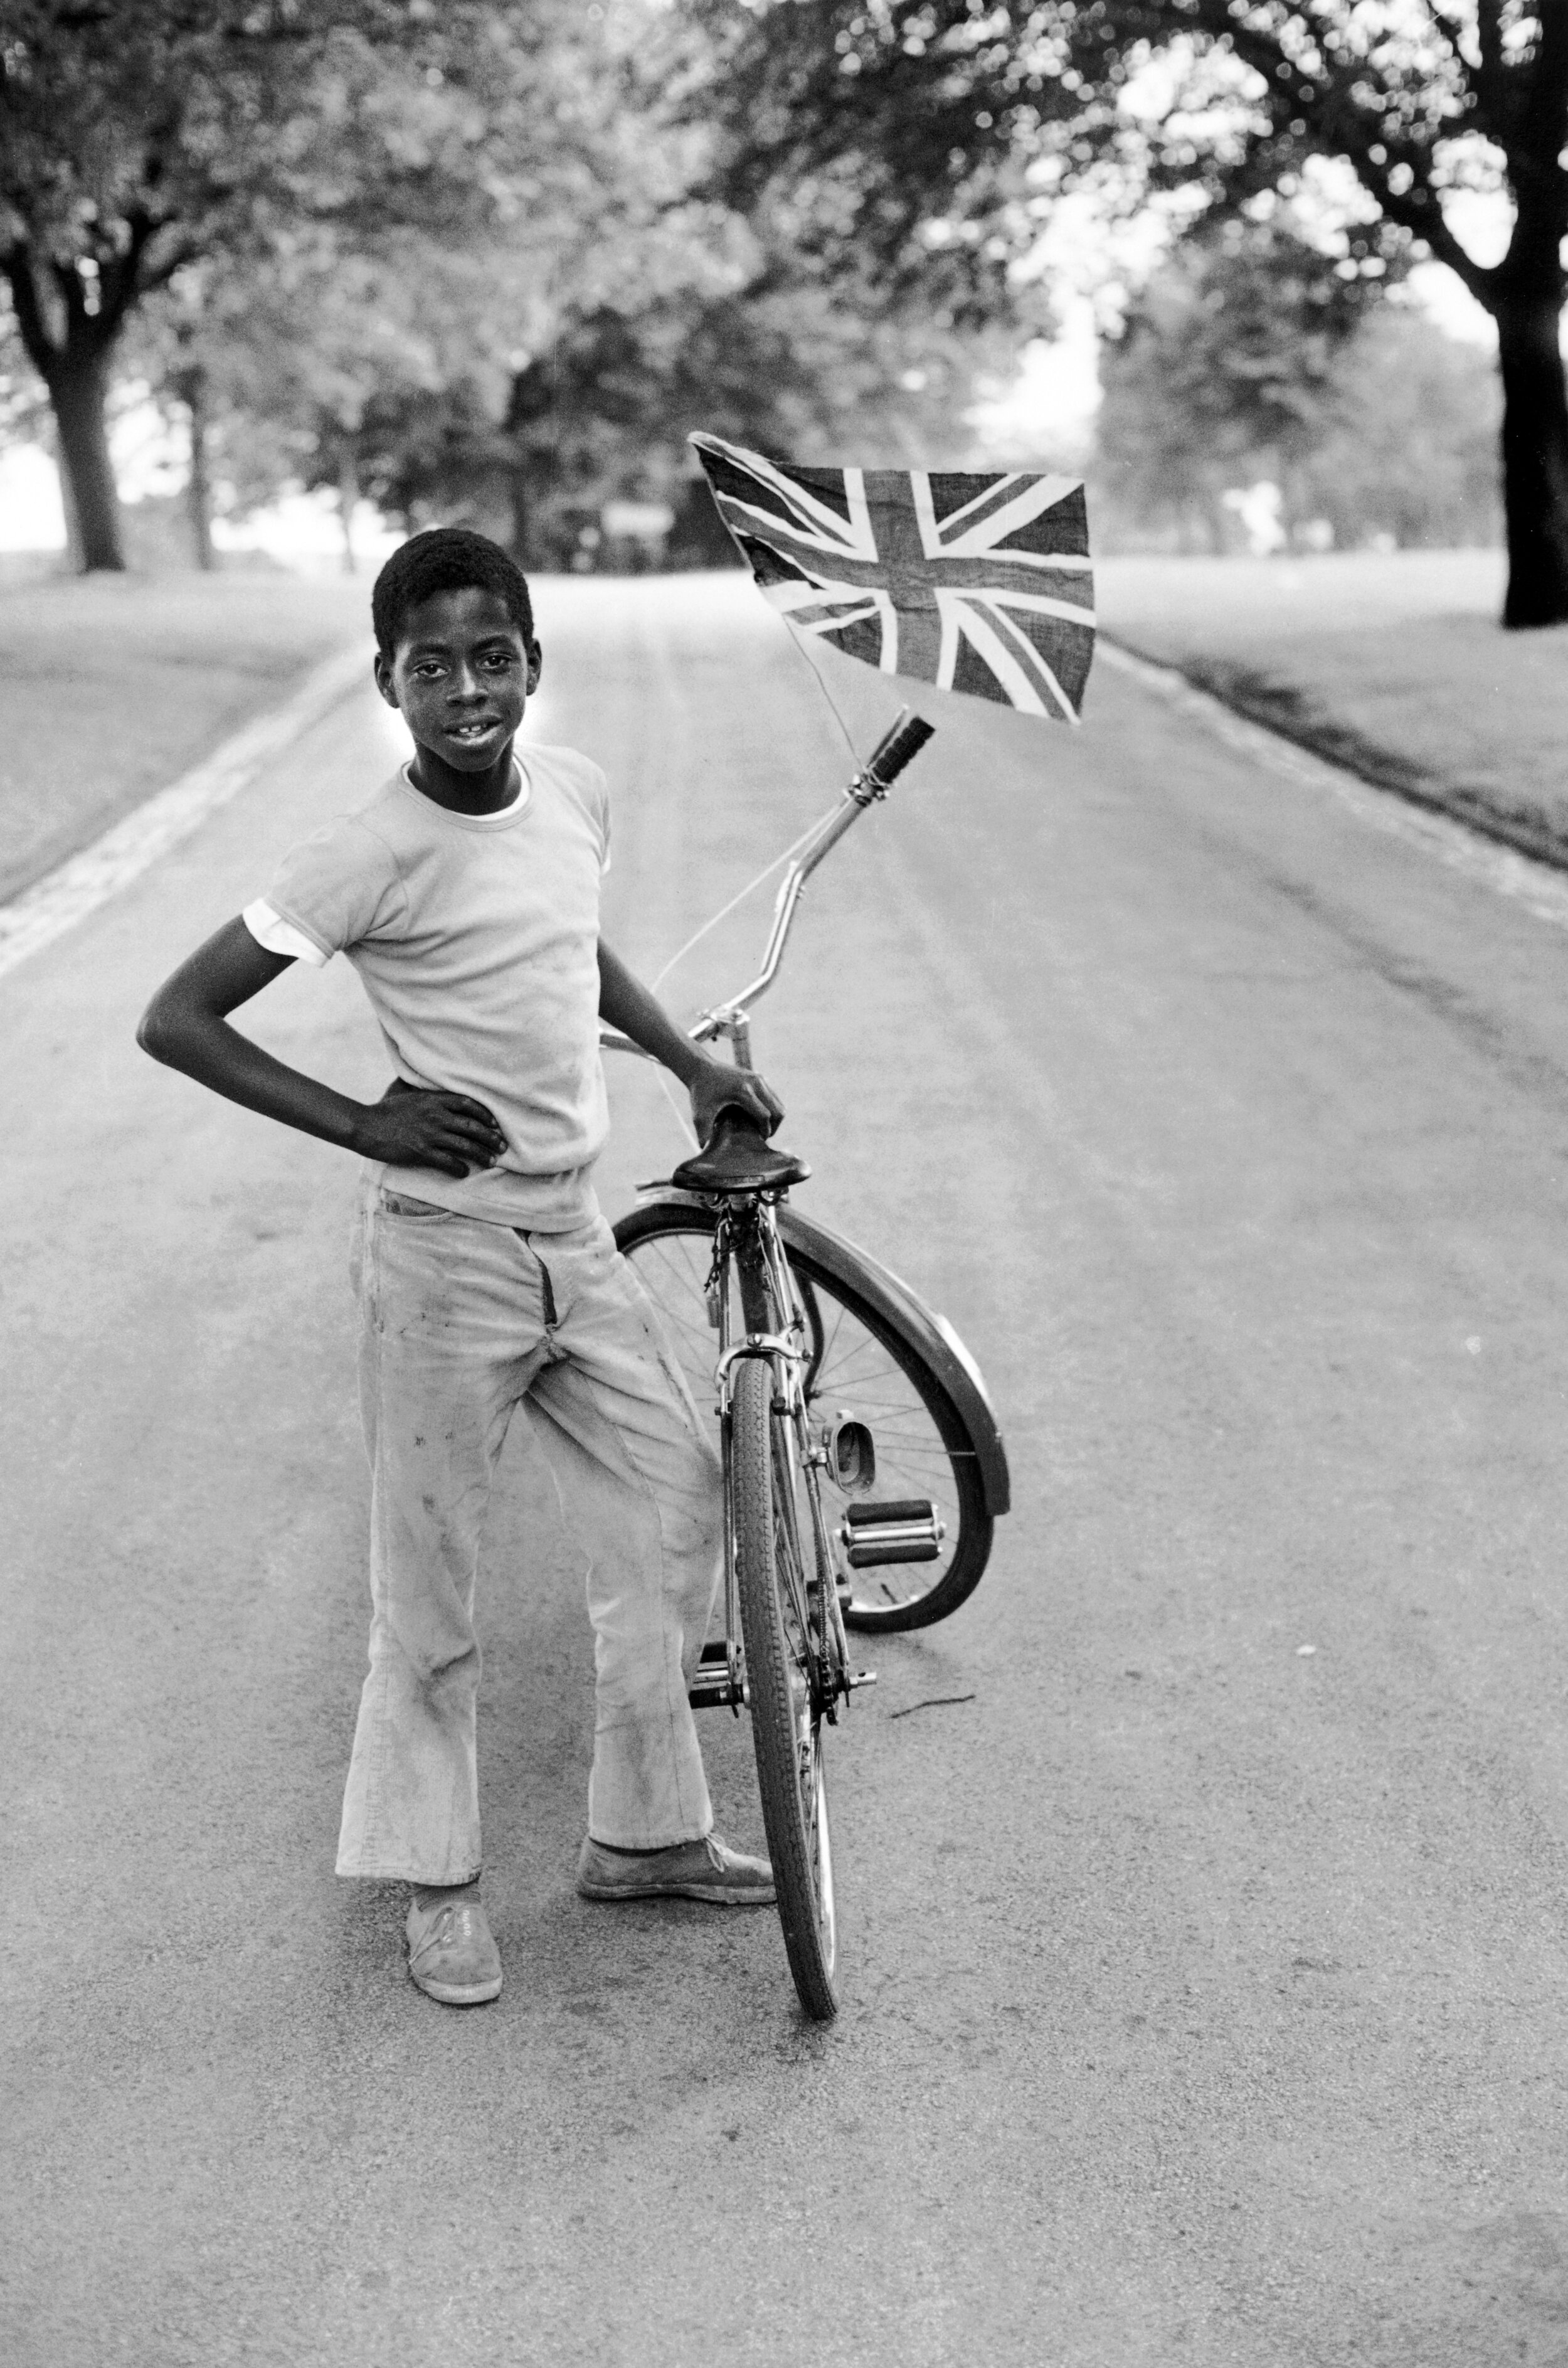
(932, 1334)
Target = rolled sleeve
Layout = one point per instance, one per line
(332, 890)
(280, 937)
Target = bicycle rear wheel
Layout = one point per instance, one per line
(784, 1644)
(860, 1365)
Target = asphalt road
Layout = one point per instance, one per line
(1205, 1972)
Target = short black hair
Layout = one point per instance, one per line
(446, 559)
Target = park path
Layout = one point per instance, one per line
(1204, 1969)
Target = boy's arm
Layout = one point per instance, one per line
(713, 1084)
(186, 1025)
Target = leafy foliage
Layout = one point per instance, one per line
(1409, 447)
(468, 261)
(949, 106)
(1250, 357)
(1223, 371)
(136, 137)
(940, 112)
(917, 141)
(197, 146)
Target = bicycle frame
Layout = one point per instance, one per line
(747, 1236)
(747, 1231)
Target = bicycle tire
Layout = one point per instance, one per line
(924, 1445)
(786, 1723)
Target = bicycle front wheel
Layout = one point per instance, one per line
(858, 1364)
(785, 1647)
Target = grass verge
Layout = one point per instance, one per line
(1392, 665)
(111, 686)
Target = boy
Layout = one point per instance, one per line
(466, 895)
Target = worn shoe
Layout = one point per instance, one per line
(451, 1952)
(708, 1869)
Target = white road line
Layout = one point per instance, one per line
(76, 887)
(1539, 887)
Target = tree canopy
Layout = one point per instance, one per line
(1223, 371)
(471, 259)
(965, 118)
(144, 139)
(1248, 356)
(518, 248)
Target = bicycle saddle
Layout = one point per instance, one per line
(738, 1158)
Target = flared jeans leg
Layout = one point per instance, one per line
(447, 1341)
(643, 1493)
(460, 1321)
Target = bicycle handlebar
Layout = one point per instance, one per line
(894, 750)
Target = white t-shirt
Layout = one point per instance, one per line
(476, 938)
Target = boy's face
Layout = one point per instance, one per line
(460, 676)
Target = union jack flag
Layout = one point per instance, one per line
(975, 583)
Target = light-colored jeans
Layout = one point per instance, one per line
(462, 1320)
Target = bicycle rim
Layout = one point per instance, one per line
(786, 1718)
(861, 1366)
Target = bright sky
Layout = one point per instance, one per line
(31, 515)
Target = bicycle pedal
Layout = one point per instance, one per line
(905, 1529)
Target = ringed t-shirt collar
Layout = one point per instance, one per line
(502, 819)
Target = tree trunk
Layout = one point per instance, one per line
(199, 487)
(77, 388)
(519, 494)
(347, 497)
(68, 504)
(1535, 459)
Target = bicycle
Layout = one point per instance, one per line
(828, 1371)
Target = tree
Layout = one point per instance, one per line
(696, 307)
(1225, 371)
(888, 140)
(140, 137)
(776, 361)
(604, 408)
(1249, 358)
(310, 365)
(1410, 443)
(521, 381)
(461, 258)
(1417, 97)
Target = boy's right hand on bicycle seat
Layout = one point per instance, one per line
(413, 1126)
(717, 1088)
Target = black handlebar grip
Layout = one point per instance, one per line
(904, 741)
